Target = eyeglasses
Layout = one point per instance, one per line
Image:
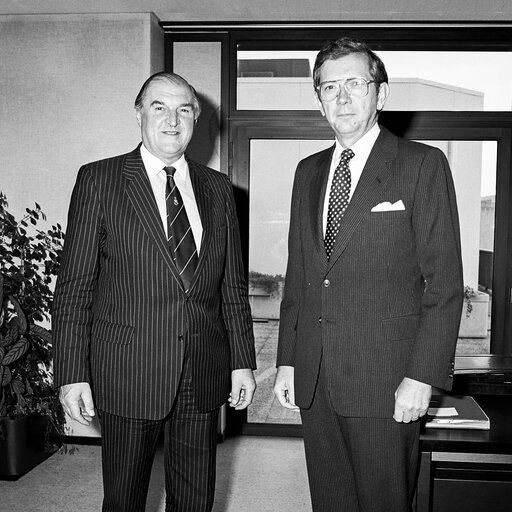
(330, 90)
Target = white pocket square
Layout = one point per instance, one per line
(389, 207)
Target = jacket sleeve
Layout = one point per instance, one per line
(76, 283)
(236, 311)
(290, 304)
(436, 227)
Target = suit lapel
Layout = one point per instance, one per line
(376, 173)
(317, 190)
(202, 193)
(140, 194)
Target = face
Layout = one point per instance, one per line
(166, 120)
(351, 117)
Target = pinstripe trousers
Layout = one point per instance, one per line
(358, 464)
(128, 450)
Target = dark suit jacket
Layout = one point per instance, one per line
(388, 303)
(122, 319)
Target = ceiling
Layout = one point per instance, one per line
(278, 10)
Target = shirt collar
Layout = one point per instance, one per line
(363, 146)
(154, 165)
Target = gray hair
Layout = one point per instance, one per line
(344, 46)
(174, 79)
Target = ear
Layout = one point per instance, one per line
(382, 95)
(319, 103)
(138, 116)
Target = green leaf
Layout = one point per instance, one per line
(22, 318)
(16, 351)
(7, 377)
(18, 386)
(43, 333)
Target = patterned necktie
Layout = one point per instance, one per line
(338, 200)
(179, 233)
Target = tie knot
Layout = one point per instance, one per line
(346, 155)
(169, 171)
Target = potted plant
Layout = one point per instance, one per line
(30, 411)
(474, 318)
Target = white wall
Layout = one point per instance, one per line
(66, 96)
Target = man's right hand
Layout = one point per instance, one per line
(76, 400)
(284, 387)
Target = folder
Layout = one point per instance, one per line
(455, 411)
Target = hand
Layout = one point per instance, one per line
(411, 400)
(284, 387)
(76, 400)
(243, 386)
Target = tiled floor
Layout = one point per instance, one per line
(254, 474)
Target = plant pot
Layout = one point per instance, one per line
(475, 324)
(24, 443)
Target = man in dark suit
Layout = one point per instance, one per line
(151, 319)
(373, 292)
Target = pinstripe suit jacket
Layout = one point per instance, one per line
(122, 319)
(387, 304)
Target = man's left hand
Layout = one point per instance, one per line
(411, 400)
(243, 386)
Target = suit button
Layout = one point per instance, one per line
(319, 319)
(327, 283)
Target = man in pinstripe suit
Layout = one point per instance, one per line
(134, 340)
(373, 293)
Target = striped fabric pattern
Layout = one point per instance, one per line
(179, 233)
(122, 319)
(365, 312)
(128, 448)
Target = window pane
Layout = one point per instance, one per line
(447, 81)
(473, 165)
(272, 167)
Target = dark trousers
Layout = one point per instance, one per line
(358, 464)
(128, 450)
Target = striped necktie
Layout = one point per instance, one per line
(179, 233)
(338, 200)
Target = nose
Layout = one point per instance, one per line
(172, 118)
(343, 96)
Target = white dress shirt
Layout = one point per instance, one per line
(362, 149)
(155, 169)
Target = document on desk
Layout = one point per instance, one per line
(455, 411)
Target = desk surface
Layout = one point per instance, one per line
(496, 440)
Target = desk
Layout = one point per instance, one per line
(468, 470)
